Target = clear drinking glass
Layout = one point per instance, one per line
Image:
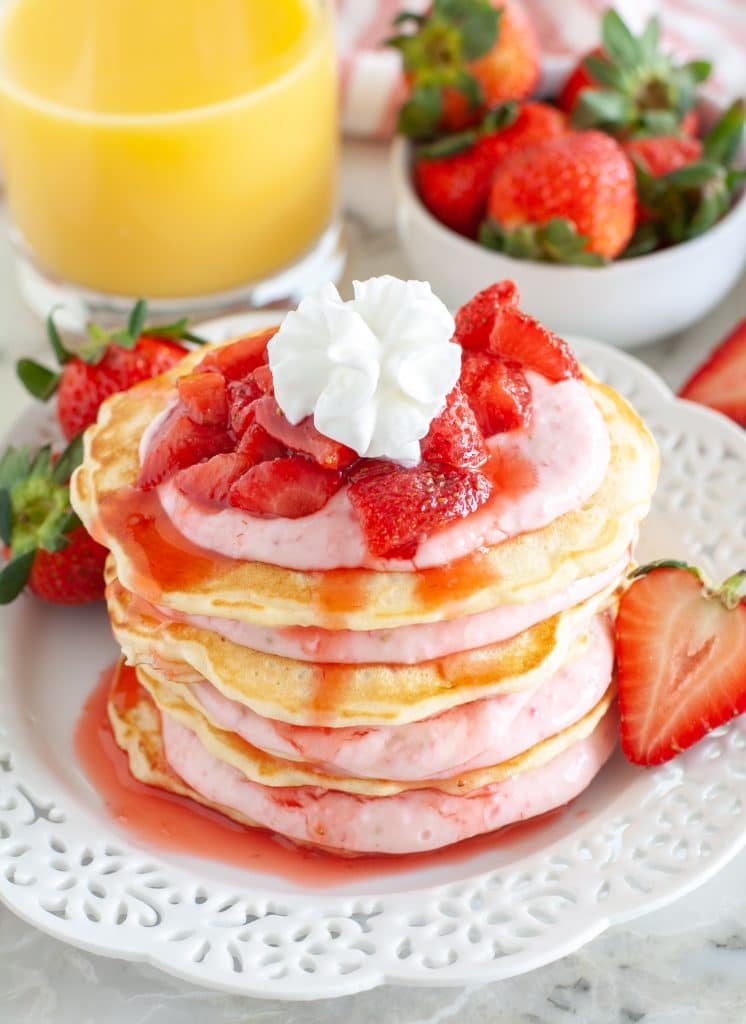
(181, 150)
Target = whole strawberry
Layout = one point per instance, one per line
(629, 85)
(107, 363)
(454, 174)
(460, 58)
(47, 547)
(681, 659)
(569, 200)
(684, 186)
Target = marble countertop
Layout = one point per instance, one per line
(685, 964)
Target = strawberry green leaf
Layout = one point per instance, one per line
(37, 379)
(478, 21)
(137, 318)
(722, 143)
(658, 122)
(644, 240)
(698, 70)
(41, 463)
(15, 575)
(69, 460)
(649, 40)
(405, 16)
(618, 41)
(14, 466)
(603, 107)
(6, 516)
(420, 114)
(448, 145)
(557, 241)
(693, 175)
(500, 117)
(176, 331)
(63, 354)
(605, 73)
(710, 209)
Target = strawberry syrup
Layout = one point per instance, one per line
(167, 822)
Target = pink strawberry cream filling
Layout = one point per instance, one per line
(409, 822)
(403, 645)
(470, 736)
(562, 460)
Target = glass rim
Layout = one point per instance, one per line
(145, 119)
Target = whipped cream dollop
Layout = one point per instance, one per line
(373, 371)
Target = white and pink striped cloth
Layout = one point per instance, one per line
(370, 75)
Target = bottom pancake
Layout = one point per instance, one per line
(164, 753)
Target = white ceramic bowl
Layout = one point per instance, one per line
(626, 303)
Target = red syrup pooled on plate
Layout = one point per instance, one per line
(166, 822)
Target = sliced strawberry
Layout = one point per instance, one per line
(454, 436)
(289, 488)
(242, 397)
(303, 437)
(257, 445)
(210, 481)
(519, 338)
(681, 660)
(205, 397)
(721, 381)
(237, 360)
(263, 377)
(498, 393)
(476, 319)
(180, 444)
(399, 507)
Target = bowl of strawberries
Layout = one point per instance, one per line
(618, 205)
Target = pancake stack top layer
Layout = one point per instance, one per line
(358, 700)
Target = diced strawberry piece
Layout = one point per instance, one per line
(288, 488)
(205, 398)
(180, 444)
(303, 437)
(242, 396)
(258, 446)
(518, 338)
(681, 660)
(475, 320)
(237, 360)
(263, 377)
(399, 507)
(211, 481)
(454, 436)
(498, 393)
(721, 381)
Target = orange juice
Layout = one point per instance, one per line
(168, 148)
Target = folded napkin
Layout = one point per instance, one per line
(371, 82)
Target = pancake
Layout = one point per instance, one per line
(258, 766)
(412, 821)
(523, 569)
(333, 695)
(473, 735)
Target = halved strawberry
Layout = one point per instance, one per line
(257, 445)
(681, 659)
(519, 338)
(290, 488)
(721, 381)
(205, 397)
(498, 393)
(180, 444)
(303, 437)
(210, 481)
(399, 507)
(454, 436)
(237, 360)
(475, 319)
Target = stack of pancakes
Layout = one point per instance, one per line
(241, 707)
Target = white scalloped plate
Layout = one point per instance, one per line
(634, 841)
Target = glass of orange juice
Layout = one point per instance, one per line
(182, 150)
